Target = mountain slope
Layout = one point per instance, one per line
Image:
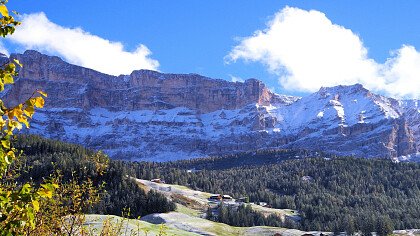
(155, 116)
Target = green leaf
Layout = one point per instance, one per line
(26, 188)
(5, 143)
(3, 10)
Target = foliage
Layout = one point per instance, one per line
(19, 203)
(7, 21)
(42, 157)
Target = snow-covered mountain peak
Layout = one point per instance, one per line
(343, 90)
(160, 116)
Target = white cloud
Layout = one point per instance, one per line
(3, 49)
(401, 73)
(80, 47)
(308, 51)
(236, 78)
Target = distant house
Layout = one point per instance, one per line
(159, 181)
(262, 204)
(216, 197)
(219, 197)
(227, 198)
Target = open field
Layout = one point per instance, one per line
(188, 218)
(176, 223)
(198, 200)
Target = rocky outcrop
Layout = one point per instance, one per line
(156, 116)
(411, 110)
(78, 87)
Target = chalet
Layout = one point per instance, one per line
(216, 197)
(159, 181)
(227, 198)
(264, 204)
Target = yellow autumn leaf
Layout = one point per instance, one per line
(26, 113)
(4, 11)
(18, 62)
(6, 159)
(11, 114)
(29, 109)
(19, 115)
(45, 193)
(39, 102)
(8, 79)
(14, 124)
(25, 121)
(11, 154)
(43, 93)
(35, 203)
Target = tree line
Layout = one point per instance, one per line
(330, 193)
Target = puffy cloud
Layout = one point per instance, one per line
(308, 51)
(80, 47)
(401, 73)
(236, 78)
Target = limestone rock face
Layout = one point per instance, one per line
(154, 116)
(78, 87)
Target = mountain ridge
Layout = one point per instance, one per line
(149, 115)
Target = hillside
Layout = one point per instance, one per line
(154, 116)
(175, 223)
(187, 220)
(328, 192)
(322, 193)
(44, 157)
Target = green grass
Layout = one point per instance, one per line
(188, 211)
(131, 227)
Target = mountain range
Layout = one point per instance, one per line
(155, 116)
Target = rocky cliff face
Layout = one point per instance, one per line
(78, 87)
(155, 116)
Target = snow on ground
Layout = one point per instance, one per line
(161, 135)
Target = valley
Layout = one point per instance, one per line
(290, 191)
(141, 119)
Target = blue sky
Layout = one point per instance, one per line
(196, 36)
